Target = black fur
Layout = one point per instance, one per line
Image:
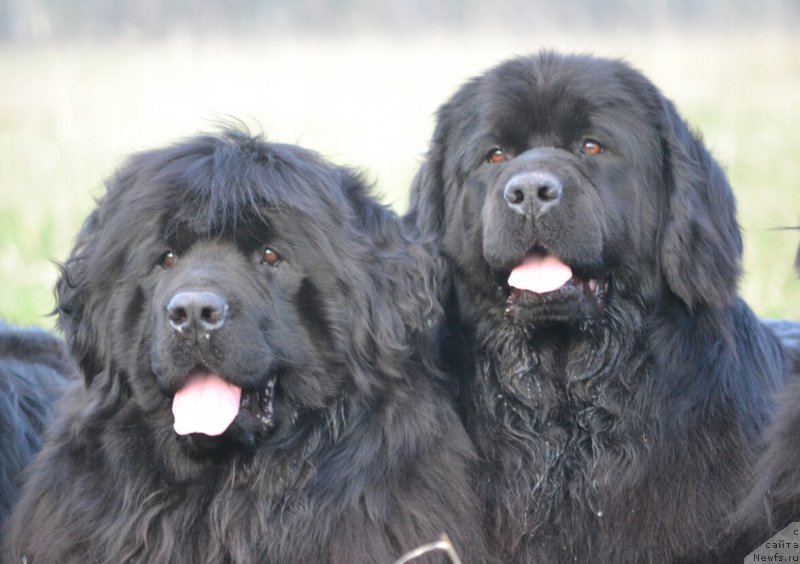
(774, 500)
(34, 368)
(619, 416)
(360, 459)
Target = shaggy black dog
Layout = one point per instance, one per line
(34, 367)
(774, 501)
(612, 379)
(250, 325)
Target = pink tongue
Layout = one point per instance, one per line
(206, 404)
(540, 274)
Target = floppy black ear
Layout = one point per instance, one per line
(425, 216)
(410, 272)
(72, 295)
(701, 244)
(426, 198)
(426, 207)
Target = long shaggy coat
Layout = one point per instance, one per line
(270, 276)
(614, 382)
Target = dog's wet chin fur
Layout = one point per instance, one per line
(577, 302)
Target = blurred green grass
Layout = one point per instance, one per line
(69, 114)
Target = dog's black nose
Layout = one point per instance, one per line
(192, 313)
(532, 191)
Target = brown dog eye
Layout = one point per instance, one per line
(591, 147)
(270, 257)
(496, 155)
(169, 259)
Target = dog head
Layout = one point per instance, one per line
(240, 284)
(555, 185)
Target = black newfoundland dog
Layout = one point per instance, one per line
(251, 327)
(615, 384)
(35, 367)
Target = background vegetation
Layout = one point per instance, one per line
(86, 83)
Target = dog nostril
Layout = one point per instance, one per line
(515, 196)
(176, 315)
(211, 315)
(548, 193)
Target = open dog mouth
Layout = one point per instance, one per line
(208, 404)
(259, 404)
(544, 281)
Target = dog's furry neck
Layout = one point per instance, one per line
(554, 416)
(555, 401)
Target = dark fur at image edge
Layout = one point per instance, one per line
(618, 419)
(356, 456)
(775, 497)
(34, 369)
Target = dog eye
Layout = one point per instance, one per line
(497, 155)
(169, 259)
(591, 147)
(270, 257)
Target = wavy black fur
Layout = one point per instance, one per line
(34, 369)
(620, 422)
(366, 459)
(775, 496)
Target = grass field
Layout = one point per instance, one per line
(70, 113)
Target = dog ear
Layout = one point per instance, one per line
(411, 273)
(426, 199)
(72, 295)
(426, 206)
(701, 243)
(392, 288)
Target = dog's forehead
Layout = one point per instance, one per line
(250, 195)
(554, 100)
(250, 227)
(556, 93)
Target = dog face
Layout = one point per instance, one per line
(251, 312)
(235, 284)
(556, 185)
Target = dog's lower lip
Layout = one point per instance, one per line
(259, 402)
(593, 289)
(265, 408)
